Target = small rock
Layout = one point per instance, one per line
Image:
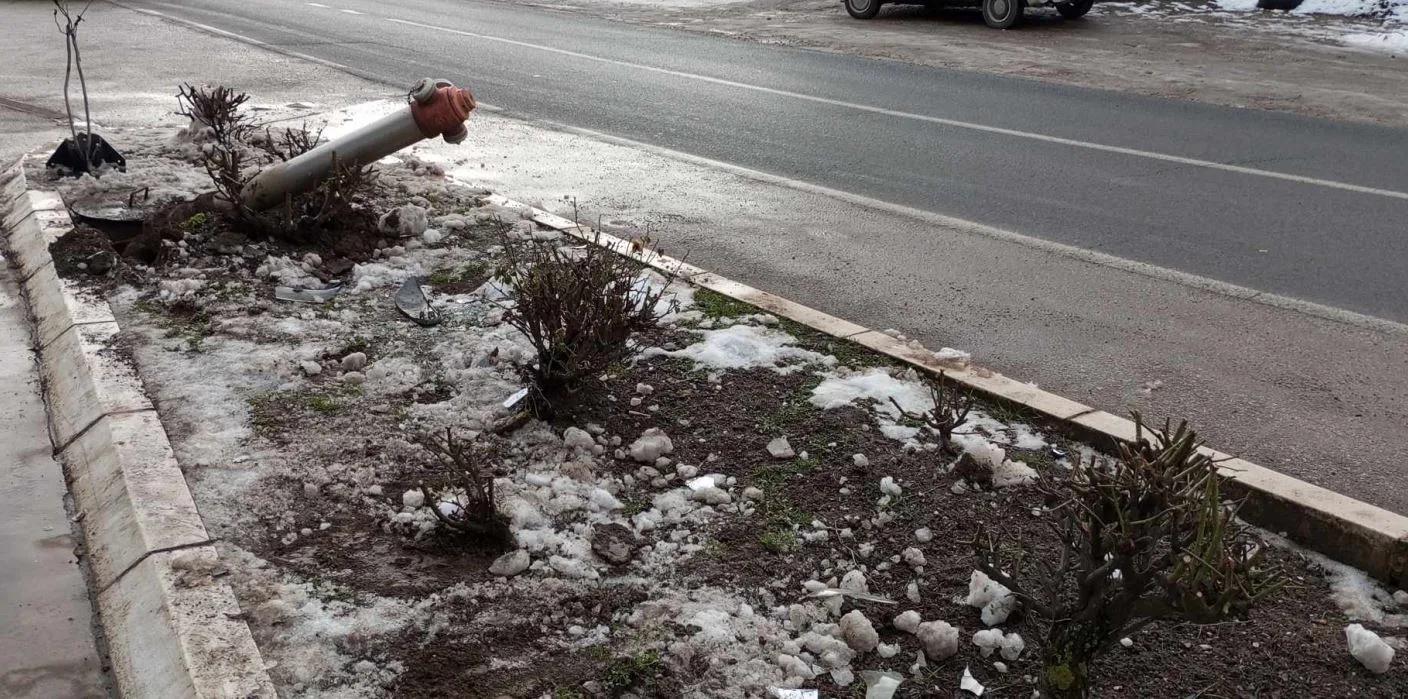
(644, 389)
(780, 449)
(711, 496)
(324, 526)
(908, 621)
(913, 556)
(939, 638)
(510, 564)
(686, 470)
(1371, 651)
(310, 490)
(615, 543)
(574, 438)
(924, 535)
(860, 460)
(652, 444)
(311, 368)
(753, 494)
(1401, 598)
(413, 498)
(1000, 666)
(354, 362)
(1127, 642)
(887, 651)
(858, 632)
(374, 490)
(407, 221)
(911, 592)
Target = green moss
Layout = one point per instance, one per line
(323, 404)
(716, 305)
(778, 540)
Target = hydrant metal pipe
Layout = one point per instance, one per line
(436, 108)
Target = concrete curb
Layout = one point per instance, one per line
(174, 628)
(1352, 532)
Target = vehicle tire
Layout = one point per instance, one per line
(1002, 14)
(1075, 8)
(863, 9)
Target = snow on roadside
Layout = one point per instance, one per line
(1377, 25)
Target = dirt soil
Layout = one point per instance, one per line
(1187, 51)
(297, 428)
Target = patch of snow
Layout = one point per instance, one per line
(858, 632)
(996, 601)
(651, 445)
(1370, 650)
(939, 638)
(908, 621)
(746, 347)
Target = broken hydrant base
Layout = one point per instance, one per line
(69, 159)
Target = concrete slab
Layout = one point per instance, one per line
(85, 380)
(175, 630)
(132, 494)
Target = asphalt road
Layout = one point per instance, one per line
(1321, 396)
(885, 130)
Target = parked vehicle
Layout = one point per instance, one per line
(998, 14)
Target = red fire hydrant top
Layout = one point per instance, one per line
(444, 113)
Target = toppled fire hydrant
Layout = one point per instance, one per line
(436, 108)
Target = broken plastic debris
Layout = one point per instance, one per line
(881, 685)
(700, 483)
(781, 693)
(411, 301)
(516, 398)
(829, 592)
(970, 685)
(308, 294)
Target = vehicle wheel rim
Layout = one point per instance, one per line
(999, 9)
(860, 5)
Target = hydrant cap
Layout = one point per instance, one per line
(444, 113)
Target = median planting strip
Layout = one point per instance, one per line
(733, 505)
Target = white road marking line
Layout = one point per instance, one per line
(231, 35)
(318, 4)
(353, 12)
(1143, 269)
(1195, 162)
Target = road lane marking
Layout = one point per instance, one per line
(1186, 279)
(1134, 152)
(353, 12)
(231, 35)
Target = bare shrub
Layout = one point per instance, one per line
(577, 307)
(459, 491)
(229, 171)
(289, 143)
(331, 201)
(950, 411)
(218, 110)
(1144, 537)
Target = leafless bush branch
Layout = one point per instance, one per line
(217, 109)
(289, 143)
(578, 308)
(1143, 537)
(460, 490)
(950, 411)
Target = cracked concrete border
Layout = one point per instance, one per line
(173, 627)
(1350, 531)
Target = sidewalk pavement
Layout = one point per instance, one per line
(46, 618)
